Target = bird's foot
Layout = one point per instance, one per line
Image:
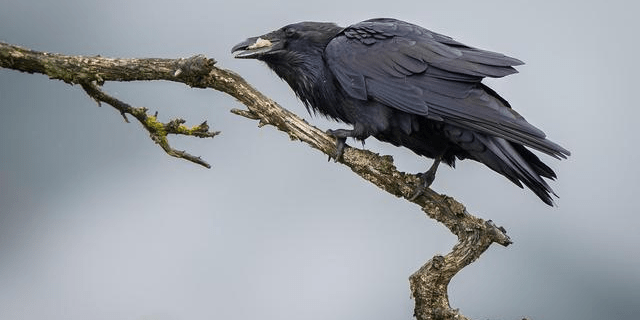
(341, 142)
(426, 179)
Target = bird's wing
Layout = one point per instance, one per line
(421, 72)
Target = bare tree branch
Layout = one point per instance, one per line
(92, 72)
(157, 130)
(428, 285)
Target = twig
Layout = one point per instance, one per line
(157, 130)
(91, 72)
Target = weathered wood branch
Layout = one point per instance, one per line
(428, 285)
(92, 72)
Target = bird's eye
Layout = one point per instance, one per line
(290, 32)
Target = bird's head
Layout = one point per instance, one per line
(289, 43)
(295, 53)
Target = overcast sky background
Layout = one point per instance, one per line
(96, 222)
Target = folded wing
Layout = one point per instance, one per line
(421, 72)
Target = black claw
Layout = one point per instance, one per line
(341, 142)
(419, 190)
(426, 179)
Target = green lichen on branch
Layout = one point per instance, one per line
(158, 131)
(92, 72)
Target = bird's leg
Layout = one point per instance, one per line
(341, 136)
(426, 179)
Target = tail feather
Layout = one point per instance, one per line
(517, 164)
(538, 166)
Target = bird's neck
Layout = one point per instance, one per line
(312, 82)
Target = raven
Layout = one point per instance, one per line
(410, 87)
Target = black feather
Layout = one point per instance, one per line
(411, 87)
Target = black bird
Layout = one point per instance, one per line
(411, 87)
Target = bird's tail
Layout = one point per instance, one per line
(518, 164)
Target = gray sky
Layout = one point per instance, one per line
(96, 222)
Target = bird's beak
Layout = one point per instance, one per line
(252, 48)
